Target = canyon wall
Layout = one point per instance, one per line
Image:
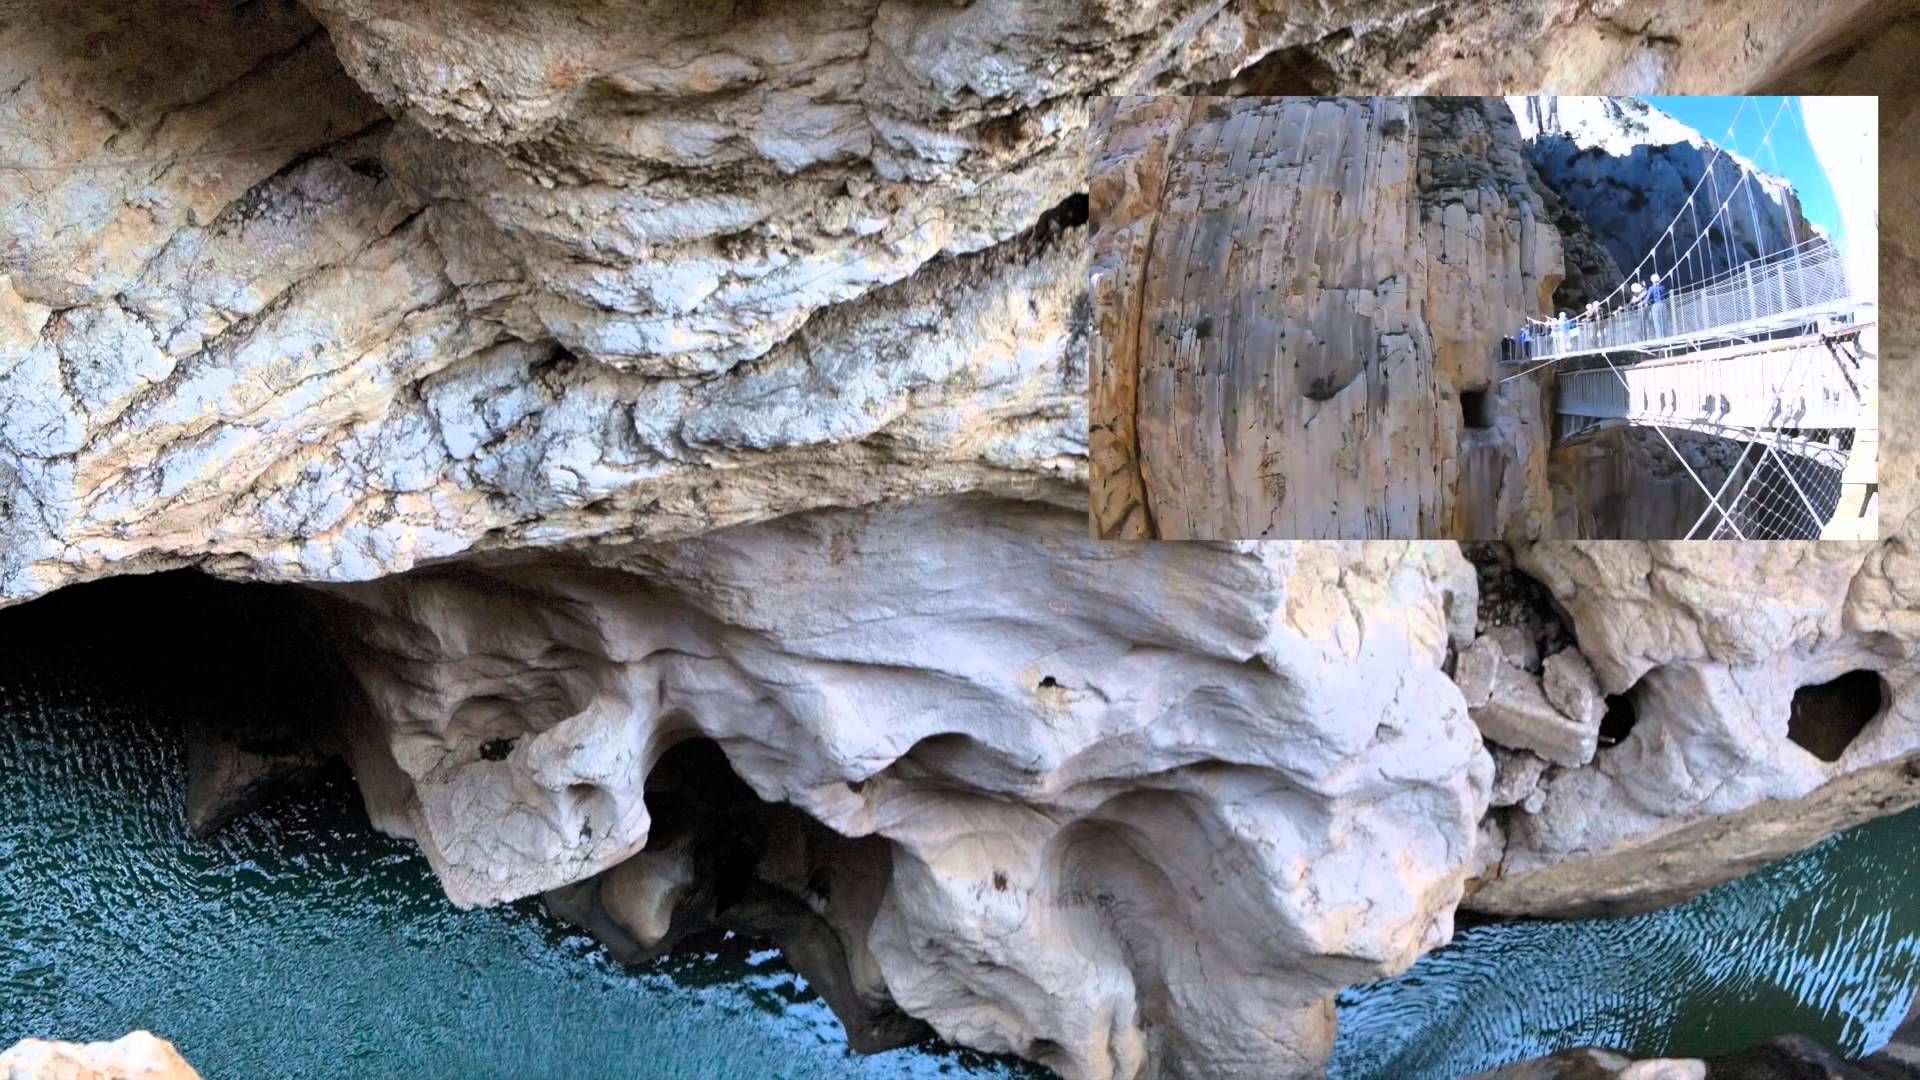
(1128, 801)
(1760, 696)
(723, 372)
(1293, 297)
(1644, 183)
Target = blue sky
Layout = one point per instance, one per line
(1790, 157)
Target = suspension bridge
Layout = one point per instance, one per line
(1774, 352)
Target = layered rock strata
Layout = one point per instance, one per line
(1299, 304)
(322, 299)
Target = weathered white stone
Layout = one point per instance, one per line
(1570, 686)
(138, 1055)
(1073, 748)
(1516, 776)
(1476, 668)
(1518, 716)
(1711, 642)
(1517, 647)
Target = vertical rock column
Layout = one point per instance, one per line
(1292, 293)
(1490, 261)
(1280, 369)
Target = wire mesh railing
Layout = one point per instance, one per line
(1793, 284)
(1779, 496)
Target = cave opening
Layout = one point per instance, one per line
(1827, 717)
(720, 859)
(1298, 70)
(241, 687)
(1619, 719)
(1476, 408)
(244, 676)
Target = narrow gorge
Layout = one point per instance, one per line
(552, 540)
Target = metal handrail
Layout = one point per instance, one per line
(1802, 280)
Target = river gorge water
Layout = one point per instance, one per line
(301, 942)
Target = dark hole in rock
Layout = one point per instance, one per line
(1204, 328)
(1048, 682)
(763, 870)
(1068, 213)
(269, 747)
(496, 749)
(1300, 69)
(1476, 407)
(1000, 880)
(1827, 718)
(1620, 717)
(248, 671)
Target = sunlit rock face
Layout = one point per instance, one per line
(1136, 797)
(136, 1056)
(1646, 183)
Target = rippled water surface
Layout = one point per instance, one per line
(302, 943)
(1823, 943)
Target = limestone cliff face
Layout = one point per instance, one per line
(1763, 696)
(1293, 296)
(1627, 170)
(136, 1056)
(721, 370)
(1131, 829)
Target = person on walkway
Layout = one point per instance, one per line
(1524, 339)
(1656, 307)
(1637, 303)
(1566, 333)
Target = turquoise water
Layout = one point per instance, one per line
(1823, 943)
(302, 943)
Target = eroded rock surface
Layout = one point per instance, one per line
(1133, 829)
(1764, 698)
(322, 293)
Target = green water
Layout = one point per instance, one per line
(302, 943)
(1823, 943)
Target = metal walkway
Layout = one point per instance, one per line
(1772, 356)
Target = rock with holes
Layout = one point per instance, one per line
(1771, 696)
(1129, 801)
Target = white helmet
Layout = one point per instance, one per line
(1656, 279)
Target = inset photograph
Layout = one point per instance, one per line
(1502, 318)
